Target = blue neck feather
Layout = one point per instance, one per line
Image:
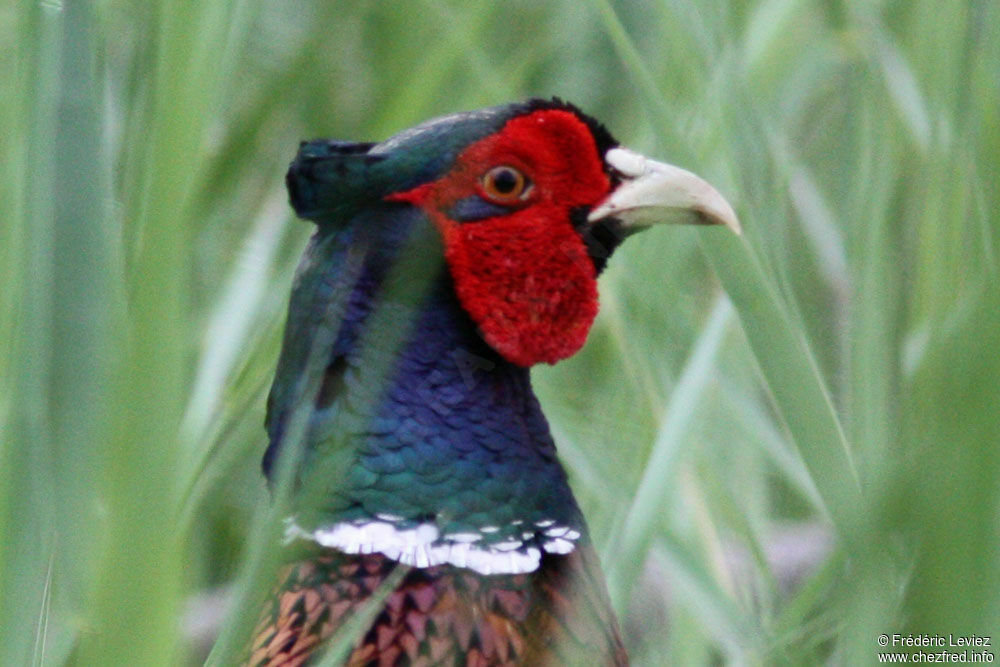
(458, 438)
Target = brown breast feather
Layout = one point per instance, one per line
(443, 615)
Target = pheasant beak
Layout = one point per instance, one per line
(653, 192)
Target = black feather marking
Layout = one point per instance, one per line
(601, 238)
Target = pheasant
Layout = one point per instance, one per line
(431, 516)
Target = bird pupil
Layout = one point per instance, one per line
(504, 180)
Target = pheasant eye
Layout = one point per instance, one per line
(505, 185)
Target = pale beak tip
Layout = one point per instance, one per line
(719, 212)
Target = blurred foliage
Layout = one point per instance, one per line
(836, 367)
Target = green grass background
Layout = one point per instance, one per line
(833, 375)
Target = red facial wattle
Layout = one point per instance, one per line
(524, 276)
